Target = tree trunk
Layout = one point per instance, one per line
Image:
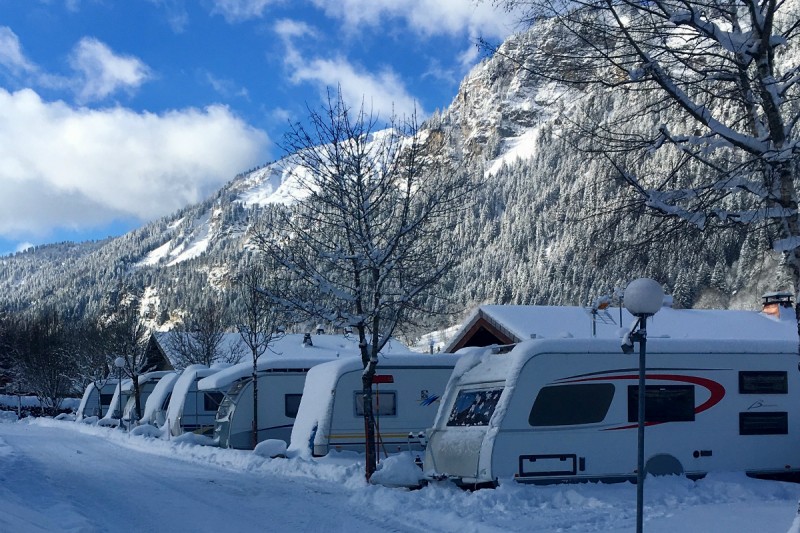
(137, 400)
(99, 401)
(255, 400)
(370, 450)
(370, 363)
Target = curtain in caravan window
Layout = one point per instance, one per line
(383, 403)
(564, 405)
(662, 403)
(474, 407)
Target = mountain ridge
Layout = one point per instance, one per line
(528, 238)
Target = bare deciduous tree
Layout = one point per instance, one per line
(259, 321)
(93, 361)
(708, 133)
(369, 243)
(45, 364)
(126, 335)
(201, 339)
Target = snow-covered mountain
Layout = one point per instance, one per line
(537, 232)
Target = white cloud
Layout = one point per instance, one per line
(68, 167)
(291, 29)
(226, 88)
(21, 247)
(103, 72)
(382, 93)
(240, 10)
(177, 16)
(11, 55)
(424, 17)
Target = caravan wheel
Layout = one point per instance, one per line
(663, 465)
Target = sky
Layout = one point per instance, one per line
(68, 476)
(113, 114)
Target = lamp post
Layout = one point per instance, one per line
(119, 362)
(643, 298)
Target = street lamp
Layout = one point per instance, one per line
(119, 362)
(643, 298)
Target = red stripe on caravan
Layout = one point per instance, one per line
(716, 389)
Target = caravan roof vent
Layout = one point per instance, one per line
(783, 298)
(774, 301)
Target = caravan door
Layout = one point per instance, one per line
(462, 437)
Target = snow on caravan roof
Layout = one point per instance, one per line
(127, 386)
(159, 394)
(670, 330)
(530, 321)
(479, 365)
(290, 352)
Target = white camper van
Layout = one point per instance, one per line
(95, 402)
(721, 395)
(405, 398)
(190, 409)
(147, 383)
(281, 377)
(155, 409)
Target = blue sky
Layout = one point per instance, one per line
(116, 112)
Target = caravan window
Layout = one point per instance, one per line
(383, 403)
(565, 405)
(211, 400)
(165, 405)
(474, 408)
(764, 423)
(291, 404)
(763, 382)
(105, 399)
(662, 403)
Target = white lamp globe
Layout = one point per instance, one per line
(643, 296)
(119, 362)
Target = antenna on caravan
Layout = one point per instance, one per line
(599, 311)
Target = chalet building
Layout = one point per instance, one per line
(510, 324)
(159, 354)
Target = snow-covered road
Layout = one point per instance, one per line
(64, 476)
(57, 480)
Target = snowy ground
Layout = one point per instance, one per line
(66, 476)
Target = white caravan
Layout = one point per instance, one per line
(280, 386)
(281, 377)
(118, 402)
(190, 409)
(155, 409)
(721, 395)
(147, 383)
(405, 399)
(94, 402)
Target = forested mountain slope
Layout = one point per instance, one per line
(539, 231)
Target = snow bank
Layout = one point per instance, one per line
(271, 448)
(398, 470)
